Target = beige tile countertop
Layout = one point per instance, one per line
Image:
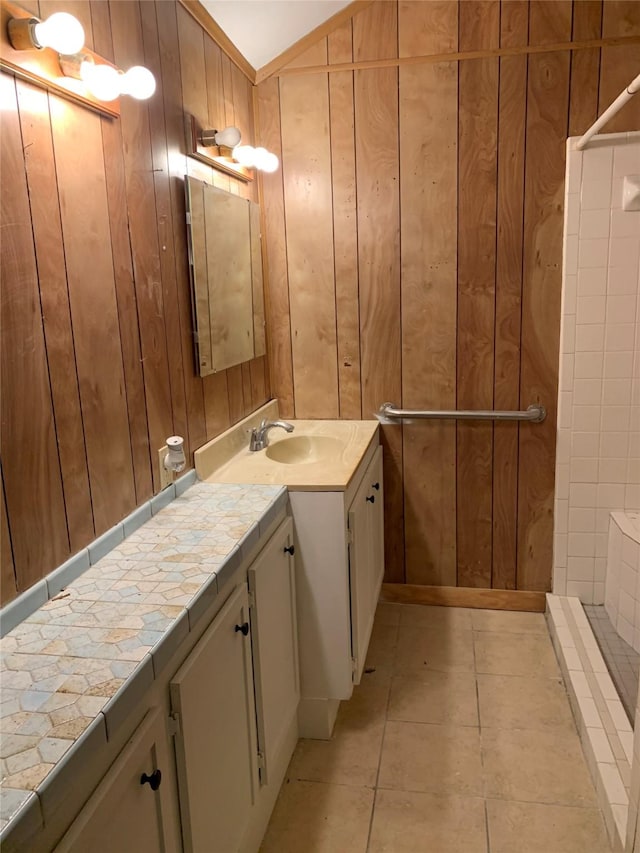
(72, 669)
(325, 465)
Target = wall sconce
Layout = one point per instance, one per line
(220, 149)
(61, 32)
(105, 81)
(50, 53)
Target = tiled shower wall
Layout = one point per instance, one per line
(598, 448)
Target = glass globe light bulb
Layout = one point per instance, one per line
(138, 82)
(61, 32)
(270, 163)
(245, 155)
(229, 137)
(103, 81)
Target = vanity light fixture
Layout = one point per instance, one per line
(61, 32)
(105, 81)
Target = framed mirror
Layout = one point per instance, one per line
(225, 262)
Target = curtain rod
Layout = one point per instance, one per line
(611, 110)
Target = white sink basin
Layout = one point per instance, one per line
(300, 449)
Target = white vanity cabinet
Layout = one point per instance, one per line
(235, 701)
(134, 808)
(339, 569)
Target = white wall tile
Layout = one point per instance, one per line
(619, 336)
(624, 223)
(595, 253)
(623, 252)
(617, 365)
(616, 392)
(588, 365)
(626, 160)
(591, 337)
(586, 418)
(614, 445)
(583, 495)
(597, 194)
(581, 519)
(585, 444)
(591, 309)
(592, 281)
(620, 307)
(619, 280)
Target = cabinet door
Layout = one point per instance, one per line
(216, 746)
(274, 643)
(366, 559)
(125, 813)
(375, 510)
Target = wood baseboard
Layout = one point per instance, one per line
(462, 596)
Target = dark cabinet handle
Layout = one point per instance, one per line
(244, 628)
(371, 498)
(376, 486)
(153, 780)
(290, 550)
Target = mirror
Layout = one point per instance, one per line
(225, 262)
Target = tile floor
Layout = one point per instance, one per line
(622, 660)
(461, 740)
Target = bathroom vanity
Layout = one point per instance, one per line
(333, 473)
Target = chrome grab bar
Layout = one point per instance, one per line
(534, 413)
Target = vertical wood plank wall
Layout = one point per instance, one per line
(97, 356)
(440, 284)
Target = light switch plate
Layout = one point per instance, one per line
(166, 477)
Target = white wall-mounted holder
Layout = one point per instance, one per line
(631, 192)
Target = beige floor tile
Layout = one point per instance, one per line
(421, 649)
(406, 822)
(435, 697)
(388, 613)
(311, 817)
(521, 702)
(352, 755)
(536, 766)
(515, 654)
(437, 759)
(535, 828)
(425, 616)
(509, 621)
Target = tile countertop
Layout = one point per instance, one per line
(65, 668)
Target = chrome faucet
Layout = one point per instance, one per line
(260, 435)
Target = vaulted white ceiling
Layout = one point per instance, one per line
(263, 29)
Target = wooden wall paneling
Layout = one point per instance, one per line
(141, 203)
(213, 57)
(428, 195)
(550, 23)
(514, 23)
(165, 227)
(8, 583)
(235, 393)
(477, 187)
(257, 280)
(619, 65)
(306, 166)
(547, 122)
(196, 98)
(243, 110)
(247, 390)
(94, 311)
(585, 67)
(33, 107)
(259, 393)
(275, 252)
(377, 181)
(31, 466)
(316, 54)
(345, 231)
(123, 274)
(177, 166)
(514, 26)
(426, 28)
